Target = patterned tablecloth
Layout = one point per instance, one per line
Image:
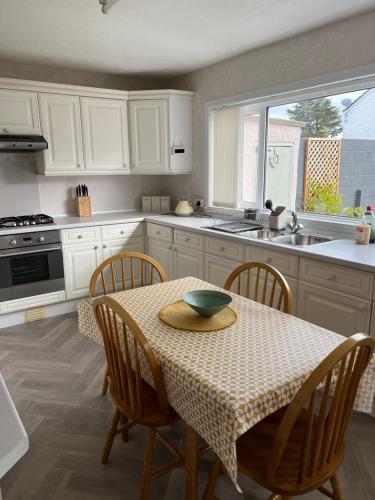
(222, 383)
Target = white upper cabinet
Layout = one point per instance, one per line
(61, 126)
(160, 132)
(87, 128)
(18, 112)
(105, 134)
(148, 132)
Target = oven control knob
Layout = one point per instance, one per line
(13, 243)
(41, 239)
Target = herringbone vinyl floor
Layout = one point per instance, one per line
(54, 376)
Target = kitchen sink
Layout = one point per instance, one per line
(262, 234)
(300, 239)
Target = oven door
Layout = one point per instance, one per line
(28, 272)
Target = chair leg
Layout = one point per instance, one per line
(212, 480)
(125, 434)
(105, 382)
(336, 488)
(110, 437)
(147, 464)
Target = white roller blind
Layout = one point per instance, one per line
(225, 137)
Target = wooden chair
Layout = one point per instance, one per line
(300, 447)
(261, 283)
(136, 402)
(121, 272)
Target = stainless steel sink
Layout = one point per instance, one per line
(262, 234)
(300, 239)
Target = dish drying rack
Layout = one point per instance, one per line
(238, 221)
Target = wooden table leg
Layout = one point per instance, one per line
(191, 464)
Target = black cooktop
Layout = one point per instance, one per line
(26, 220)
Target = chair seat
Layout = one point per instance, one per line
(152, 415)
(254, 447)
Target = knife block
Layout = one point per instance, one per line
(83, 204)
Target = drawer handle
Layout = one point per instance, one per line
(222, 249)
(104, 246)
(332, 277)
(96, 247)
(170, 247)
(157, 232)
(122, 232)
(187, 239)
(79, 236)
(78, 165)
(269, 260)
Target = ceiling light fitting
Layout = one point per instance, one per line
(107, 5)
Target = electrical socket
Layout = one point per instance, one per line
(198, 203)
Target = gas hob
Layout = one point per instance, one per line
(25, 220)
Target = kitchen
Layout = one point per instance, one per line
(94, 164)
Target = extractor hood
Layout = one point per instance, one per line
(22, 143)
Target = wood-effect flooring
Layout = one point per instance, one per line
(54, 375)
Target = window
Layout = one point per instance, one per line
(313, 154)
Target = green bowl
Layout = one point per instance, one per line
(207, 302)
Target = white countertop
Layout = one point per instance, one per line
(341, 251)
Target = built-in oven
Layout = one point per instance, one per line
(30, 264)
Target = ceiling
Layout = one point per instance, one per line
(154, 37)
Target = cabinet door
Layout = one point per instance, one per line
(61, 126)
(189, 263)
(335, 311)
(80, 261)
(163, 253)
(217, 270)
(105, 134)
(18, 112)
(148, 135)
(114, 248)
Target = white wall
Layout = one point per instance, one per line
(339, 46)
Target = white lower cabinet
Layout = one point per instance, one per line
(335, 311)
(80, 261)
(162, 252)
(217, 269)
(188, 263)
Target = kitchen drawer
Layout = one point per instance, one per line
(80, 235)
(33, 301)
(335, 277)
(284, 262)
(122, 231)
(225, 248)
(159, 232)
(188, 239)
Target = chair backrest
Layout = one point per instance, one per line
(262, 283)
(128, 356)
(327, 417)
(125, 271)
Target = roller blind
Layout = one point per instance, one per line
(225, 137)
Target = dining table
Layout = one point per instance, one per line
(223, 382)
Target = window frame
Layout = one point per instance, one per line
(259, 102)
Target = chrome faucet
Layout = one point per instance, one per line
(294, 227)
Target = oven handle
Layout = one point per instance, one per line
(16, 254)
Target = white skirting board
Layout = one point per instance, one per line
(19, 317)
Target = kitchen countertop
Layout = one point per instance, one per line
(341, 251)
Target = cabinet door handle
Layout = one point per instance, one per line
(269, 260)
(222, 249)
(187, 239)
(96, 247)
(170, 247)
(332, 277)
(157, 232)
(79, 236)
(104, 246)
(122, 232)
(78, 165)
